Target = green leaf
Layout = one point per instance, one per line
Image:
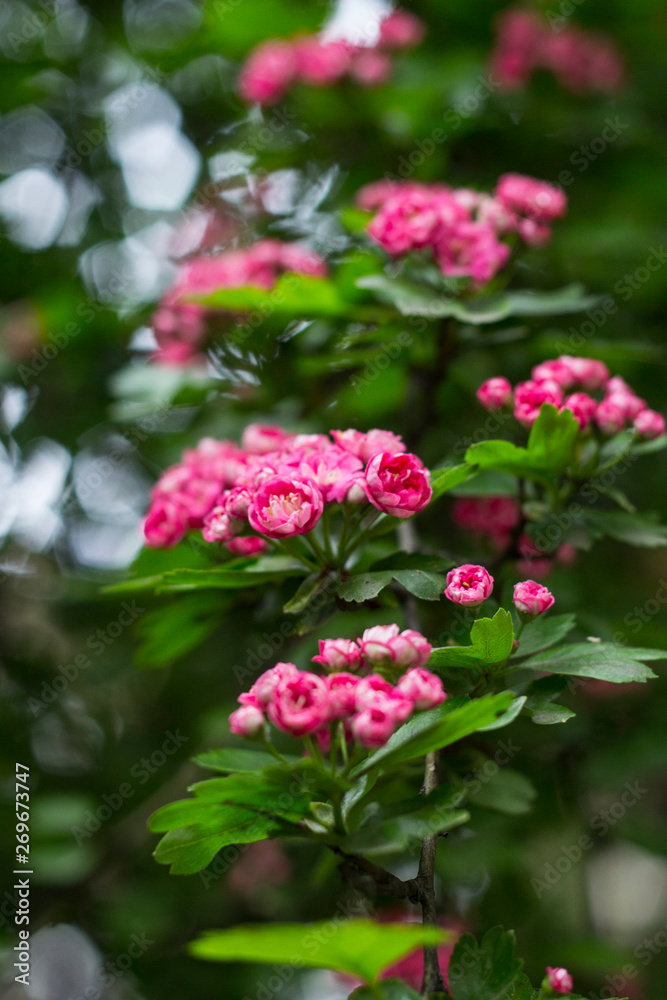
(427, 586)
(232, 575)
(603, 661)
(492, 640)
(364, 586)
(188, 849)
(231, 759)
(307, 591)
(507, 791)
(168, 633)
(412, 299)
(544, 632)
(271, 791)
(387, 989)
(549, 714)
(433, 730)
(358, 947)
(635, 529)
(292, 295)
(549, 452)
(443, 480)
(509, 716)
(396, 826)
(486, 971)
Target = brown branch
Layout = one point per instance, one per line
(433, 980)
(358, 871)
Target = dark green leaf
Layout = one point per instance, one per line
(544, 632)
(364, 586)
(167, 633)
(231, 759)
(358, 947)
(601, 660)
(427, 586)
(634, 529)
(307, 591)
(486, 971)
(507, 791)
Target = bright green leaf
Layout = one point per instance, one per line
(492, 640)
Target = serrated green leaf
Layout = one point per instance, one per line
(188, 849)
(491, 644)
(549, 451)
(427, 586)
(358, 947)
(307, 591)
(484, 971)
(433, 730)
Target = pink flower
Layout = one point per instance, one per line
(264, 687)
(334, 470)
(220, 527)
(400, 30)
(559, 980)
(236, 502)
(318, 63)
(370, 67)
(283, 507)
(649, 424)
(589, 373)
(556, 370)
(342, 694)
(468, 585)
(471, 250)
(382, 714)
(247, 720)
(495, 394)
(300, 704)
(398, 484)
(373, 196)
(259, 439)
(486, 515)
(531, 598)
(535, 199)
(247, 546)
(530, 397)
(610, 414)
(338, 654)
(582, 406)
(408, 220)
(165, 524)
(422, 688)
(366, 446)
(373, 689)
(267, 73)
(386, 644)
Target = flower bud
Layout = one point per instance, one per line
(531, 598)
(468, 585)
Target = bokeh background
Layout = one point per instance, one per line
(121, 140)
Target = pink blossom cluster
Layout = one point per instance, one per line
(495, 518)
(180, 326)
(371, 708)
(462, 228)
(614, 408)
(559, 980)
(275, 66)
(581, 60)
(277, 484)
